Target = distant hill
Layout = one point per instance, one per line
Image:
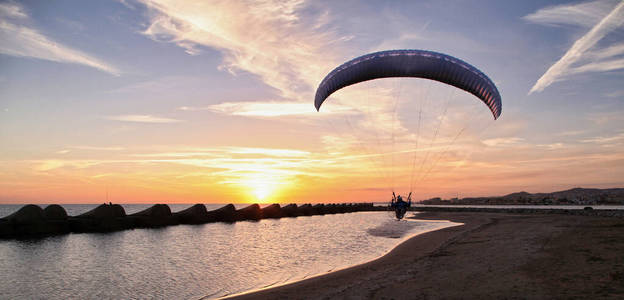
(575, 196)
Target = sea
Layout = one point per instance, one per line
(195, 261)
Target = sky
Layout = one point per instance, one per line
(162, 101)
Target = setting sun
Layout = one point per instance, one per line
(261, 192)
(206, 103)
(261, 187)
(311, 149)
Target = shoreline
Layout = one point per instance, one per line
(493, 255)
(424, 242)
(339, 269)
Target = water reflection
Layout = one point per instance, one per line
(194, 261)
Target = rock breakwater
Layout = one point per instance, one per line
(32, 221)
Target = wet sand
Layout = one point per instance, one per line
(491, 256)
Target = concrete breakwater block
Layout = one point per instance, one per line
(290, 211)
(155, 211)
(331, 209)
(273, 211)
(105, 211)
(157, 215)
(56, 219)
(340, 208)
(368, 207)
(319, 209)
(28, 214)
(55, 212)
(305, 210)
(196, 214)
(223, 214)
(28, 220)
(251, 212)
(105, 217)
(31, 220)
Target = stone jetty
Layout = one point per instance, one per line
(33, 221)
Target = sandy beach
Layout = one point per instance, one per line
(491, 256)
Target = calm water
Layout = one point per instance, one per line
(189, 262)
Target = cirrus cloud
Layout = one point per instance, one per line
(142, 119)
(268, 109)
(20, 40)
(579, 58)
(252, 35)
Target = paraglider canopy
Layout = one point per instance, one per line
(412, 63)
(423, 64)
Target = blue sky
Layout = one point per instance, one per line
(179, 101)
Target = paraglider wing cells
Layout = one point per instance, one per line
(412, 63)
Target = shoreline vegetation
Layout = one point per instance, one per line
(491, 256)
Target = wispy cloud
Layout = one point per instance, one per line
(49, 165)
(270, 151)
(142, 119)
(269, 109)
(553, 146)
(601, 66)
(227, 159)
(223, 152)
(606, 139)
(97, 148)
(91, 148)
(21, 40)
(579, 54)
(498, 142)
(182, 154)
(585, 14)
(251, 35)
(241, 166)
(52, 164)
(12, 10)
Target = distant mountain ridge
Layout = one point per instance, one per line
(575, 196)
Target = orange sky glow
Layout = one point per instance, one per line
(161, 101)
